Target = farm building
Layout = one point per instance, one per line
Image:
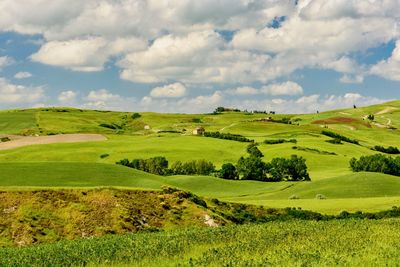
(147, 127)
(199, 131)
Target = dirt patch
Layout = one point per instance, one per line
(386, 110)
(21, 141)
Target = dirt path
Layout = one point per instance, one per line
(233, 124)
(386, 110)
(21, 141)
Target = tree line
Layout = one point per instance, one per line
(376, 163)
(388, 150)
(340, 137)
(246, 168)
(160, 166)
(228, 136)
(253, 168)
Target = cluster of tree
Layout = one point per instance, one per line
(388, 150)
(279, 141)
(135, 116)
(199, 167)
(156, 165)
(376, 163)
(340, 137)
(371, 117)
(223, 109)
(227, 136)
(159, 166)
(253, 168)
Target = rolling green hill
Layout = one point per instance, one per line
(80, 164)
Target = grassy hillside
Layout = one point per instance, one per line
(80, 164)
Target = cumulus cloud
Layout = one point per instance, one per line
(18, 94)
(22, 75)
(88, 54)
(5, 61)
(67, 97)
(287, 88)
(390, 68)
(243, 90)
(170, 90)
(164, 41)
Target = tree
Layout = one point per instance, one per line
(253, 150)
(177, 168)
(157, 165)
(251, 168)
(297, 169)
(228, 171)
(204, 167)
(371, 117)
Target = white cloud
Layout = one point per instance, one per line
(23, 75)
(5, 61)
(102, 95)
(244, 90)
(178, 41)
(352, 78)
(88, 54)
(390, 68)
(19, 94)
(170, 90)
(67, 97)
(287, 88)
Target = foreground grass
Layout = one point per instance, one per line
(293, 243)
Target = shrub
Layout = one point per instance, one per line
(335, 141)
(279, 141)
(112, 126)
(340, 137)
(388, 150)
(253, 150)
(5, 139)
(135, 116)
(228, 171)
(102, 156)
(227, 136)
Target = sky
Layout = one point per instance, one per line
(288, 56)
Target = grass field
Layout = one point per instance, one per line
(295, 243)
(80, 164)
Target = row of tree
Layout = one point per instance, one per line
(228, 136)
(159, 166)
(376, 163)
(279, 141)
(253, 168)
(340, 137)
(247, 168)
(387, 150)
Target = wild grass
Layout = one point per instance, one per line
(293, 243)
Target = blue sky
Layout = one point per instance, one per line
(289, 56)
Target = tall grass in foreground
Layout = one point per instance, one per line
(294, 243)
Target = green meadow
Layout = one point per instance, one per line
(170, 135)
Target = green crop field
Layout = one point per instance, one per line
(296, 243)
